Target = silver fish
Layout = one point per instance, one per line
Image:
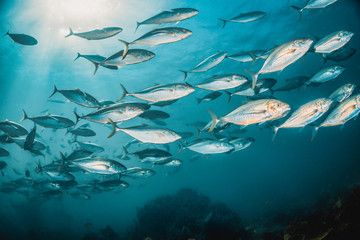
(149, 155)
(96, 60)
(133, 56)
(245, 17)
(333, 41)
(261, 86)
(344, 112)
(79, 97)
(159, 36)
(313, 4)
(168, 16)
(209, 146)
(60, 176)
(222, 82)
(111, 185)
(209, 97)
(12, 128)
(99, 165)
(258, 111)
(160, 93)
(306, 114)
(170, 163)
(50, 121)
(148, 134)
(117, 112)
(207, 63)
(97, 34)
(84, 132)
(282, 56)
(342, 93)
(326, 74)
(154, 114)
(241, 143)
(22, 39)
(91, 147)
(137, 172)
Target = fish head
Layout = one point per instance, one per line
(185, 87)
(337, 70)
(344, 36)
(303, 44)
(182, 32)
(357, 101)
(349, 88)
(323, 104)
(277, 108)
(188, 12)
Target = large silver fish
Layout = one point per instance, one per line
(117, 112)
(258, 111)
(207, 63)
(133, 56)
(96, 60)
(222, 82)
(159, 36)
(149, 155)
(50, 121)
(79, 97)
(22, 39)
(138, 172)
(344, 112)
(91, 147)
(168, 16)
(261, 86)
(343, 92)
(245, 17)
(326, 74)
(97, 34)
(333, 41)
(148, 134)
(12, 128)
(306, 114)
(282, 56)
(209, 146)
(99, 165)
(313, 4)
(160, 93)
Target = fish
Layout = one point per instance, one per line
(332, 41)
(254, 112)
(306, 114)
(29, 141)
(20, 141)
(148, 134)
(170, 163)
(154, 114)
(222, 82)
(22, 39)
(261, 86)
(343, 92)
(149, 155)
(291, 84)
(13, 129)
(117, 112)
(115, 184)
(159, 36)
(79, 153)
(241, 143)
(79, 97)
(160, 93)
(207, 63)
(313, 4)
(164, 103)
(27, 173)
(245, 17)
(249, 56)
(91, 147)
(97, 34)
(343, 112)
(99, 165)
(138, 172)
(209, 97)
(133, 56)
(84, 132)
(169, 16)
(4, 152)
(209, 146)
(80, 196)
(50, 121)
(96, 60)
(340, 54)
(60, 176)
(326, 74)
(282, 56)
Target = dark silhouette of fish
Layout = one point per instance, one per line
(22, 39)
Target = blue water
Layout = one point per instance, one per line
(288, 174)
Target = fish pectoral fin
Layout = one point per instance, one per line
(288, 51)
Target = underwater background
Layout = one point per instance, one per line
(262, 183)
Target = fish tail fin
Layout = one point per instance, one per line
(254, 77)
(253, 57)
(276, 129)
(124, 93)
(198, 100)
(71, 33)
(96, 68)
(125, 153)
(67, 131)
(78, 55)
(324, 58)
(299, 10)
(126, 48)
(55, 91)
(229, 96)
(7, 33)
(137, 26)
(115, 128)
(185, 74)
(77, 117)
(214, 120)
(223, 22)
(24, 116)
(315, 130)
(197, 132)
(39, 168)
(181, 147)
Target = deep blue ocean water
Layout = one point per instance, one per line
(263, 181)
